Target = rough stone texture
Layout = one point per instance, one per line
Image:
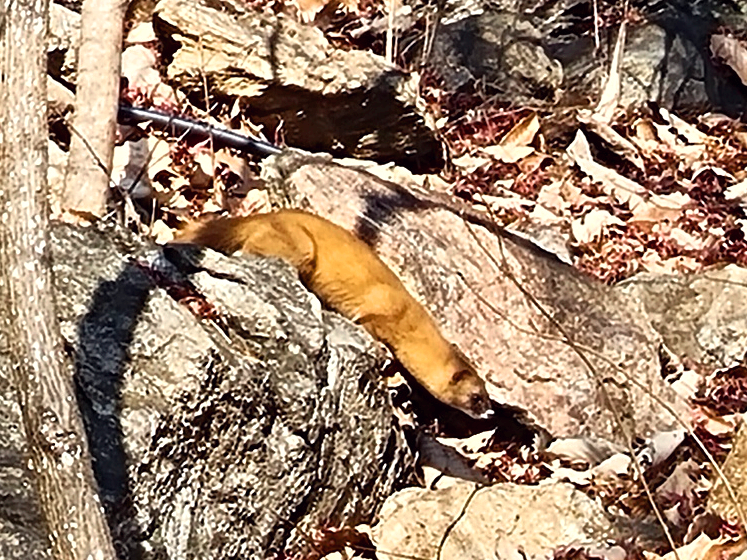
(702, 317)
(496, 521)
(235, 438)
(465, 286)
(501, 49)
(328, 100)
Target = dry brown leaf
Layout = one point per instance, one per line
(701, 167)
(542, 215)
(533, 163)
(470, 163)
(211, 207)
(574, 195)
(715, 424)
(686, 240)
(645, 131)
(128, 167)
(497, 203)
(256, 201)
(682, 139)
(515, 145)
(508, 154)
(660, 446)
(161, 232)
(171, 199)
(160, 157)
(567, 474)
(645, 137)
(235, 164)
(550, 196)
(624, 190)
(732, 52)
(618, 466)
(619, 144)
(741, 137)
(178, 183)
(142, 33)
(688, 384)
(704, 548)
(682, 128)
(589, 227)
(737, 191)
(658, 208)
(178, 202)
(139, 67)
(652, 262)
(502, 187)
(202, 174)
(578, 449)
(523, 132)
(712, 120)
(610, 97)
(308, 9)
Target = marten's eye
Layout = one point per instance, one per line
(476, 401)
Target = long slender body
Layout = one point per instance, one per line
(348, 276)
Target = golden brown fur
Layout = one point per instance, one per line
(350, 278)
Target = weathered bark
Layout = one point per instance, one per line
(92, 144)
(40, 373)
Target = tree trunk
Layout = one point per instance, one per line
(96, 100)
(41, 375)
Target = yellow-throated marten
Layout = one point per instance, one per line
(349, 277)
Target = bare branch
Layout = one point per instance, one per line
(99, 59)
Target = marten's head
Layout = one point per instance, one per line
(466, 391)
(462, 388)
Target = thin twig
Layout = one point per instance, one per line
(457, 519)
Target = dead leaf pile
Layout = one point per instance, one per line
(650, 191)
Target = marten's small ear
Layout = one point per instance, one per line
(460, 376)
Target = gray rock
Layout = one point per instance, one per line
(62, 46)
(501, 49)
(702, 317)
(473, 523)
(666, 58)
(22, 531)
(347, 103)
(237, 437)
(547, 51)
